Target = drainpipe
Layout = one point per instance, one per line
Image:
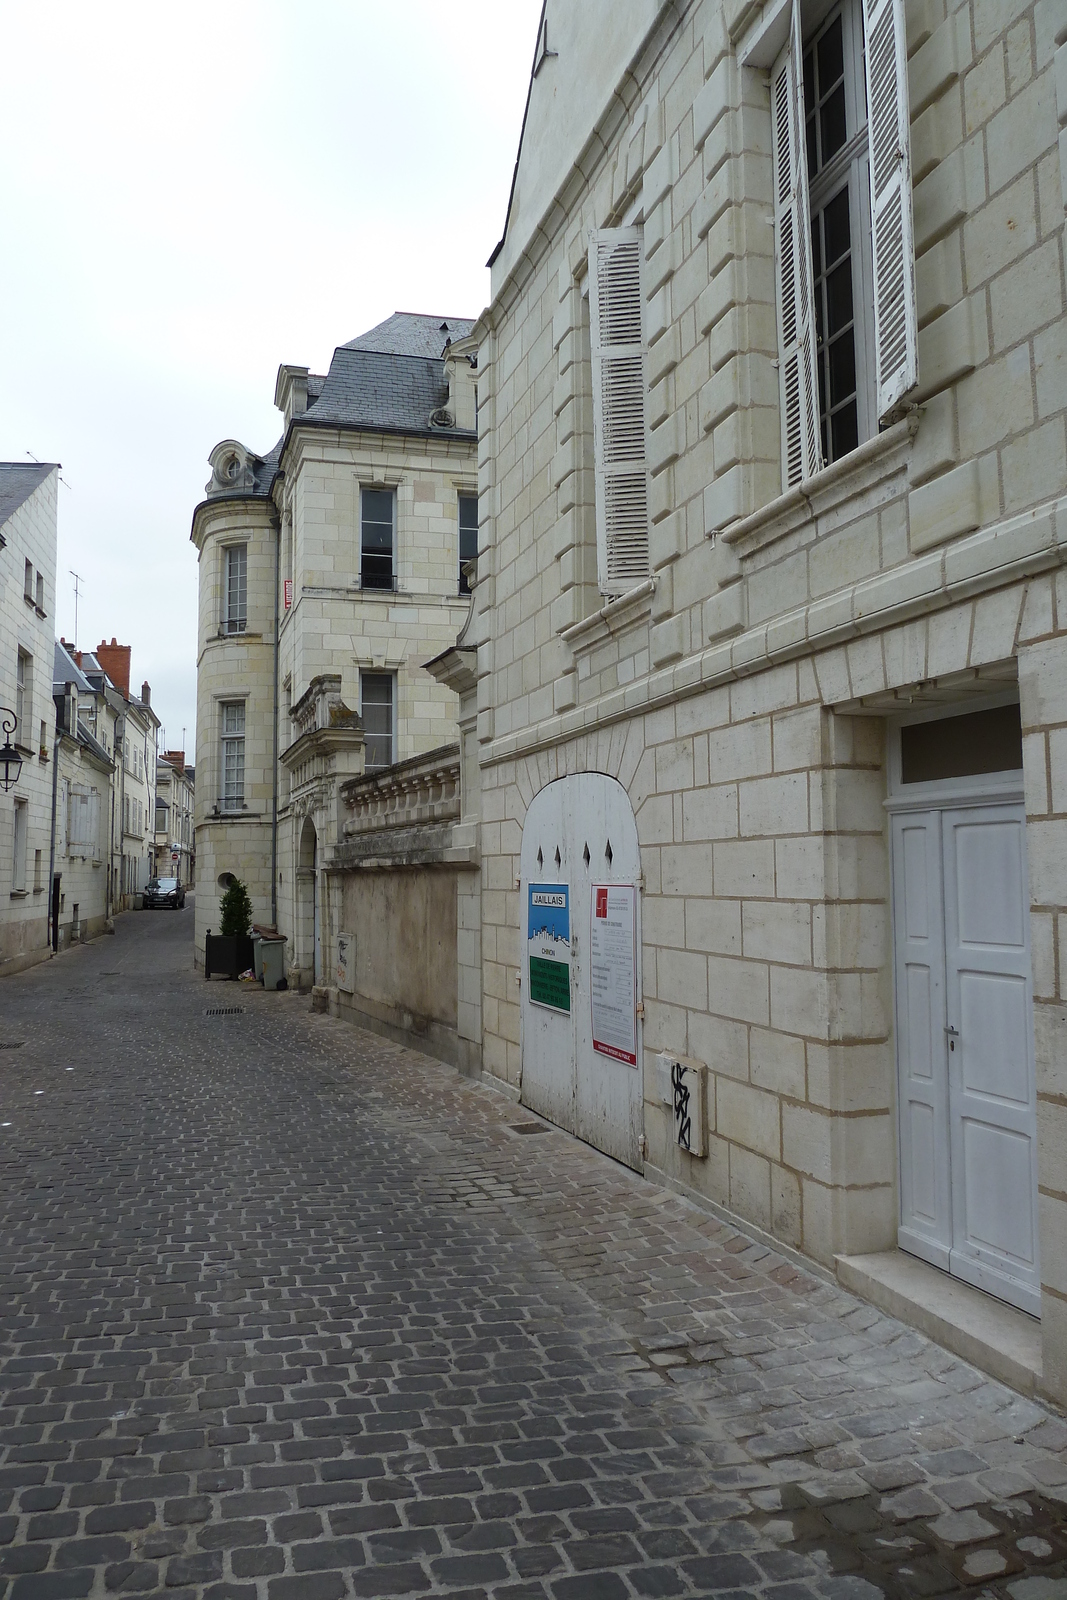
(52, 925)
(276, 520)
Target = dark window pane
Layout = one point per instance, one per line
(845, 430)
(376, 572)
(378, 505)
(809, 82)
(962, 747)
(468, 511)
(832, 123)
(376, 537)
(813, 154)
(842, 367)
(836, 224)
(816, 247)
(839, 297)
(831, 49)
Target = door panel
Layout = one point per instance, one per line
(588, 819)
(989, 1001)
(547, 1038)
(925, 1191)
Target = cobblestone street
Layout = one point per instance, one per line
(294, 1313)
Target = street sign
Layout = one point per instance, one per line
(174, 855)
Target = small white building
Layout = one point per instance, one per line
(85, 777)
(132, 825)
(174, 817)
(27, 604)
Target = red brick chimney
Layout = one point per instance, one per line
(176, 758)
(115, 660)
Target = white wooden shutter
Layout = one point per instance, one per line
(798, 376)
(619, 357)
(94, 823)
(61, 818)
(896, 335)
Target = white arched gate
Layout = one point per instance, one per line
(580, 874)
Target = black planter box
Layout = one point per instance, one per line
(226, 956)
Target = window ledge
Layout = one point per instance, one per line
(817, 495)
(20, 894)
(620, 612)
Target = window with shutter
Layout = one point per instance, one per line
(896, 337)
(619, 442)
(798, 379)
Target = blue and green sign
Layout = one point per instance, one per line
(549, 946)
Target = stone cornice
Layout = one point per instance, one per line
(990, 559)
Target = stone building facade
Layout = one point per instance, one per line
(86, 769)
(329, 574)
(771, 666)
(175, 796)
(28, 513)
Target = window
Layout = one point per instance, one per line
(38, 871)
(376, 709)
(468, 537)
(235, 595)
(40, 591)
(18, 864)
(233, 755)
(27, 582)
(377, 509)
(23, 693)
(618, 368)
(843, 233)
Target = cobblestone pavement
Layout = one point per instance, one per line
(291, 1313)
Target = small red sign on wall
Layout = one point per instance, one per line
(288, 593)
(602, 902)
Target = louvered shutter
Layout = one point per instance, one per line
(61, 818)
(798, 377)
(618, 352)
(94, 823)
(896, 336)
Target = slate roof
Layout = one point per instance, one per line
(265, 468)
(410, 333)
(66, 670)
(18, 480)
(382, 390)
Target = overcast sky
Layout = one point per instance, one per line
(189, 196)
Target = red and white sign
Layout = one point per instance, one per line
(288, 589)
(613, 970)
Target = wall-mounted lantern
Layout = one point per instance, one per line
(10, 760)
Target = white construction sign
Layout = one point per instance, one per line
(613, 970)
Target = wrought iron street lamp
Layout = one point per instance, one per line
(10, 760)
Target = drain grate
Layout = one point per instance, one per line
(528, 1127)
(224, 1011)
(13, 1044)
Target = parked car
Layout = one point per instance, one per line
(163, 892)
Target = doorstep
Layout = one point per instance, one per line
(998, 1338)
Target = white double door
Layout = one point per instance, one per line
(965, 1052)
(580, 831)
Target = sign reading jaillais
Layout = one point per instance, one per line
(613, 970)
(548, 946)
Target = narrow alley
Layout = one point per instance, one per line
(292, 1312)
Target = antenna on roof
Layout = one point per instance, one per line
(33, 457)
(77, 592)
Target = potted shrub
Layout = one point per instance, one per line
(229, 952)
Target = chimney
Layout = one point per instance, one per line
(115, 660)
(146, 693)
(176, 758)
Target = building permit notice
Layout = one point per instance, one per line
(613, 970)
(549, 945)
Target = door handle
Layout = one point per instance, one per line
(953, 1035)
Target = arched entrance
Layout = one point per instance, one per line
(580, 874)
(309, 935)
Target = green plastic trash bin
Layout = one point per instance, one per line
(272, 958)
